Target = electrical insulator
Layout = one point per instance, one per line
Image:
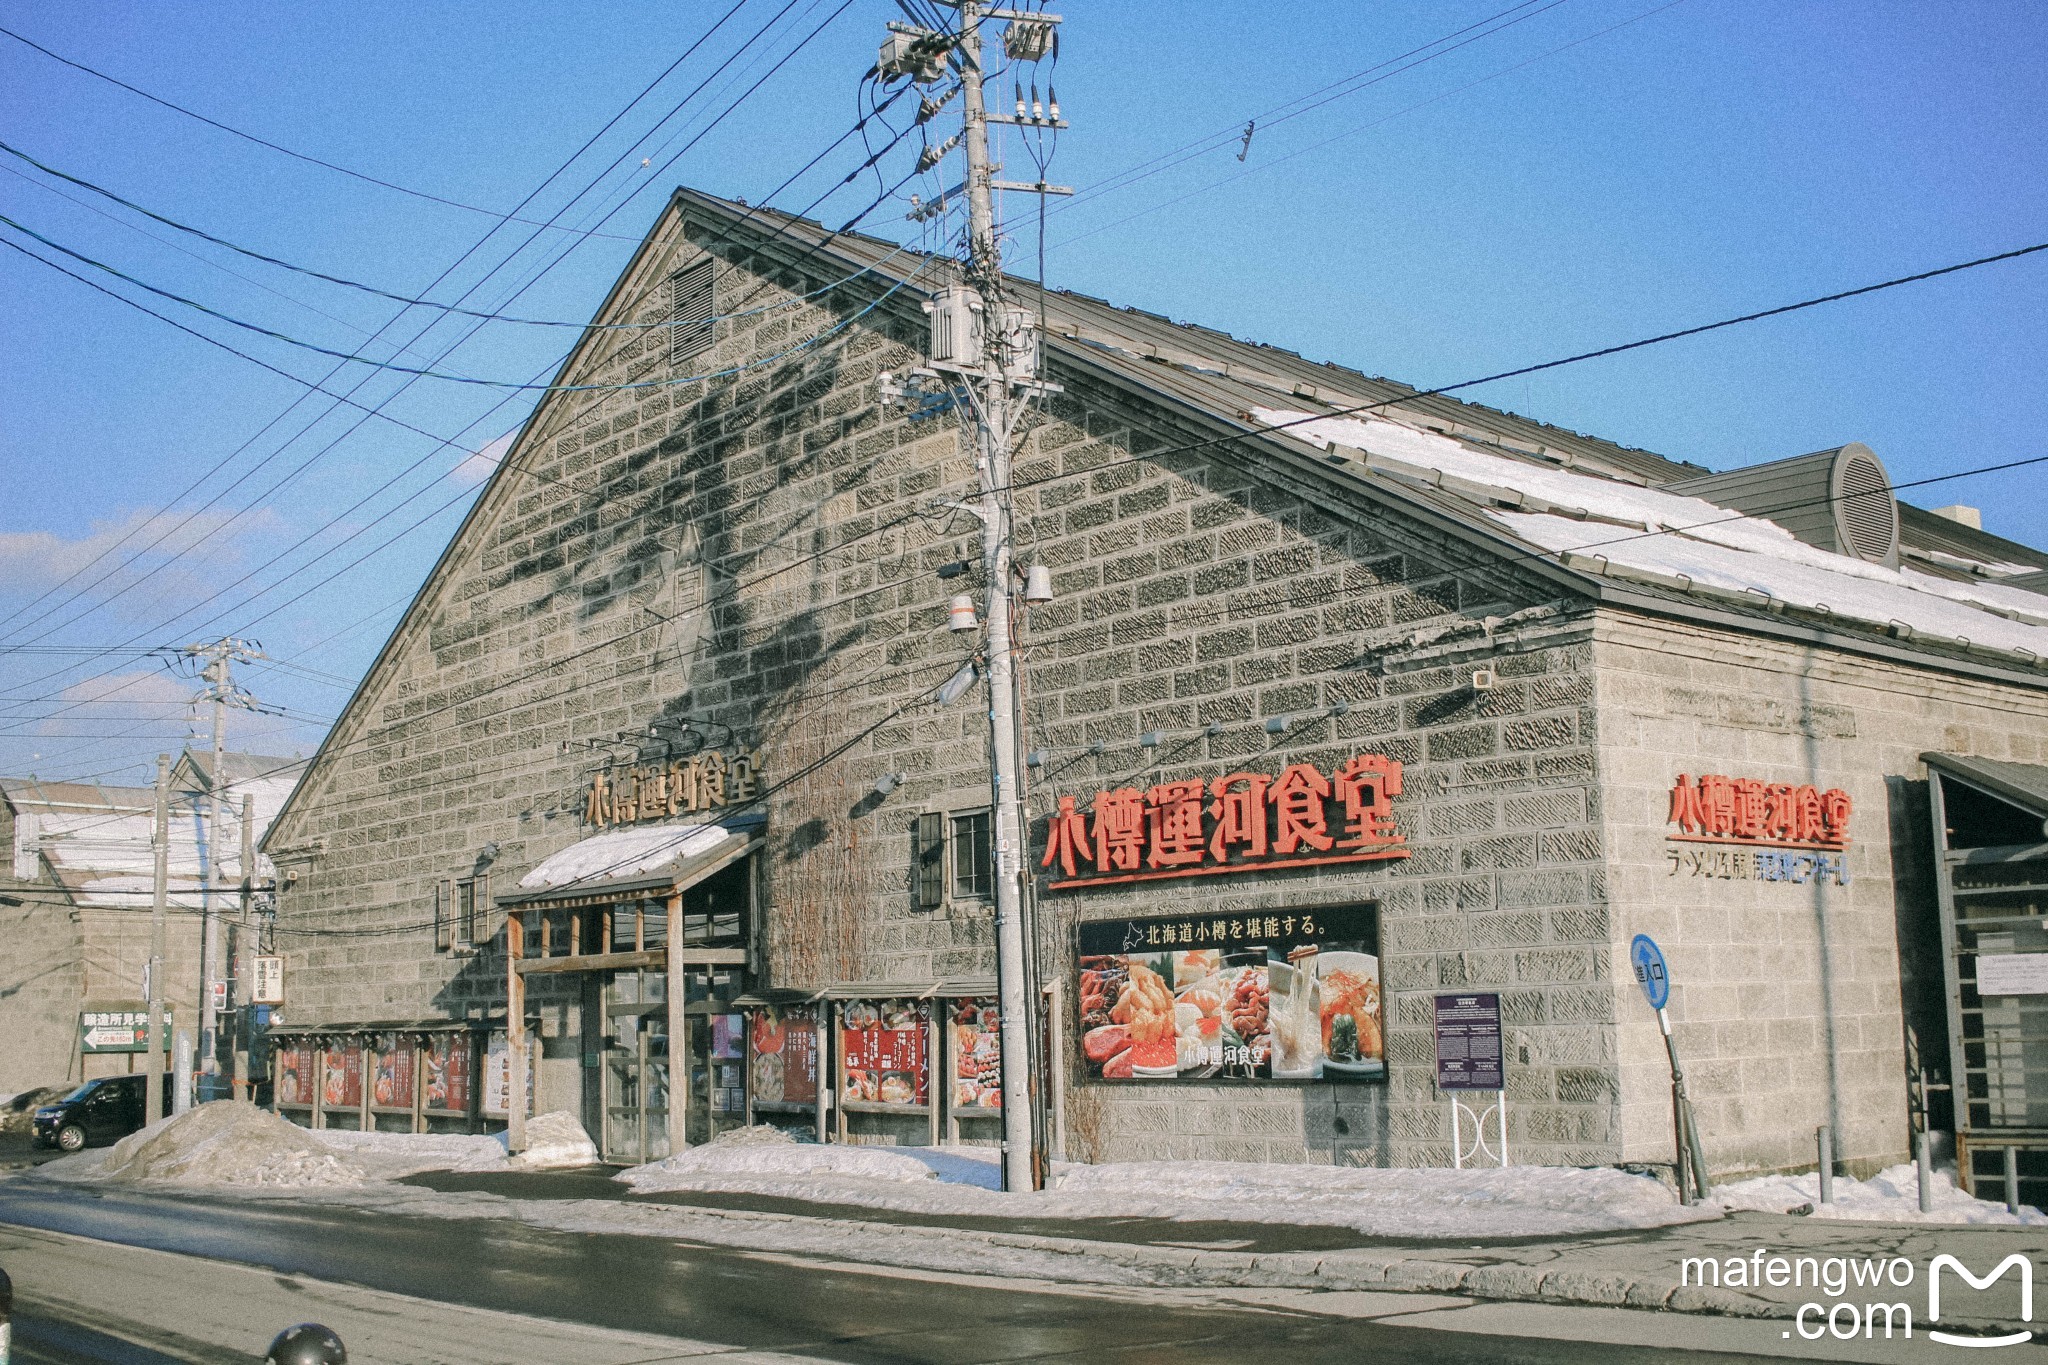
(1019, 88)
(1053, 102)
(1037, 109)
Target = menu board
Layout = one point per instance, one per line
(391, 1086)
(977, 1055)
(446, 1059)
(785, 1048)
(1278, 995)
(498, 1077)
(884, 1046)
(295, 1080)
(341, 1077)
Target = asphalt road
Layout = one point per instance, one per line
(496, 1289)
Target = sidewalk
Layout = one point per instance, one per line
(1635, 1269)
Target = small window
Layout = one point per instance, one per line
(480, 929)
(690, 309)
(974, 873)
(444, 915)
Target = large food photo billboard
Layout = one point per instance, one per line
(1289, 995)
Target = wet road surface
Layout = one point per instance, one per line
(804, 1309)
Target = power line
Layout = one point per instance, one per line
(440, 442)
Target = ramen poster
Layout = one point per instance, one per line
(1277, 995)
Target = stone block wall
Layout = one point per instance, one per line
(1198, 586)
(1787, 998)
(42, 976)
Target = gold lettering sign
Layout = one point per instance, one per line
(685, 786)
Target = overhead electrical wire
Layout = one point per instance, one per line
(378, 409)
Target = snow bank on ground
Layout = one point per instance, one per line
(1519, 1201)
(228, 1142)
(390, 1156)
(554, 1141)
(1891, 1196)
(765, 1160)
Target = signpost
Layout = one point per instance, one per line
(1468, 1057)
(120, 1031)
(1654, 977)
(269, 981)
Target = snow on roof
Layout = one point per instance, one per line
(1684, 542)
(623, 853)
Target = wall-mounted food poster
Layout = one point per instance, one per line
(977, 1056)
(884, 1043)
(446, 1059)
(295, 1080)
(341, 1081)
(785, 1044)
(1289, 995)
(391, 1087)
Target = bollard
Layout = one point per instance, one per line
(306, 1344)
(2012, 1183)
(1926, 1163)
(1826, 1137)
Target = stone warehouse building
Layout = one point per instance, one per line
(662, 750)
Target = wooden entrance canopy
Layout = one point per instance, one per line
(636, 865)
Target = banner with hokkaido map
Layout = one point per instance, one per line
(1289, 995)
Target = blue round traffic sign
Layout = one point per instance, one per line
(1648, 960)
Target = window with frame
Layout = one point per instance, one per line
(462, 912)
(690, 311)
(974, 864)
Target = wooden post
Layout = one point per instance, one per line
(823, 1064)
(678, 1036)
(839, 1073)
(515, 1034)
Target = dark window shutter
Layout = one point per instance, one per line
(928, 848)
(480, 930)
(444, 915)
(690, 308)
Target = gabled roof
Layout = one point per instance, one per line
(1559, 502)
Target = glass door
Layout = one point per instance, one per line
(636, 1067)
(716, 1051)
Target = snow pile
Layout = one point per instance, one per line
(751, 1160)
(1705, 543)
(1516, 1201)
(228, 1142)
(392, 1156)
(553, 1141)
(1520, 1201)
(1892, 1195)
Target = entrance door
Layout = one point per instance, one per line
(716, 1052)
(635, 1067)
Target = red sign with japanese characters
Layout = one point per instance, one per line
(1713, 809)
(1235, 823)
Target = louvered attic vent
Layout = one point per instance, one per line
(690, 312)
(1839, 500)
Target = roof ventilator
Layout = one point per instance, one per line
(1839, 500)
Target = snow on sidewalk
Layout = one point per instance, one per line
(1521, 1201)
(1890, 1196)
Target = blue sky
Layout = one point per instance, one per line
(1591, 172)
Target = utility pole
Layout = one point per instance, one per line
(244, 928)
(220, 657)
(160, 852)
(992, 345)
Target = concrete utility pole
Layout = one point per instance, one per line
(220, 657)
(991, 343)
(244, 928)
(160, 851)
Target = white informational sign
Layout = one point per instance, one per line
(2012, 974)
(498, 1077)
(268, 985)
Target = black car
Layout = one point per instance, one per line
(105, 1110)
